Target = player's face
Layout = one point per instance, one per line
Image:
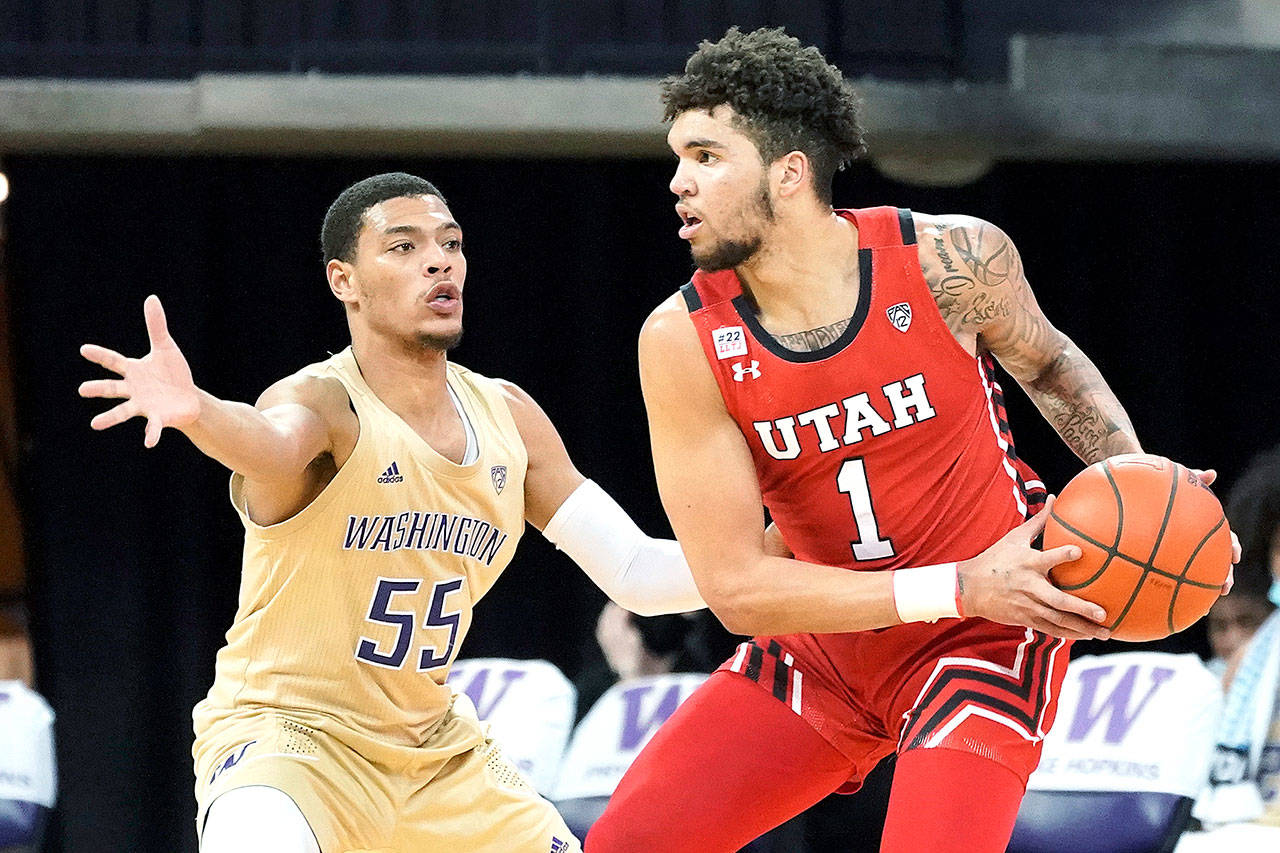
(409, 271)
(722, 186)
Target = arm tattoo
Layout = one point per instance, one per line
(971, 291)
(1073, 396)
(813, 339)
(981, 289)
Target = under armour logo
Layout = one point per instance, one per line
(740, 373)
(899, 315)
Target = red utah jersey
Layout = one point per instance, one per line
(890, 446)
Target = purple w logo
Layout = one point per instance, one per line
(475, 688)
(636, 726)
(1116, 705)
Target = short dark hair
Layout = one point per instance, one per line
(345, 216)
(788, 98)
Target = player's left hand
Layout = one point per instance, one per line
(1207, 477)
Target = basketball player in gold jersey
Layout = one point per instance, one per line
(382, 492)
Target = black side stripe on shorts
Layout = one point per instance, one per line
(755, 659)
(780, 672)
(1017, 703)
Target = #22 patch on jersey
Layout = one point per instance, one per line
(730, 341)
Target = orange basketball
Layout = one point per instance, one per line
(1155, 544)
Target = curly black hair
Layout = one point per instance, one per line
(785, 96)
(345, 217)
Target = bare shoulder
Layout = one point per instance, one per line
(518, 400)
(531, 420)
(952, 243)
(316, 402)
(970, 266)
(668, 332)
(325, 395)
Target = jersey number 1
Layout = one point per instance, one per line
(852, 481)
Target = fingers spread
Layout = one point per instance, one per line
(1054, 556)
(108, 358)
(154, 428)
(1069, 625)
(157, 328)
(1056, 599)
(1206, 476)
(104, 388)
(118, 415)
(1034, 526)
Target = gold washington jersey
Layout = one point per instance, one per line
(352, 611)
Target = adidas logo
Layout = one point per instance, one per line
(391, 475)
(558, 845)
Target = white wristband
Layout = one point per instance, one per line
(926, 593)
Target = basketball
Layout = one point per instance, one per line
(1155, 544)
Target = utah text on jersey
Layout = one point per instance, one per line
(905, 401)
(424, 531)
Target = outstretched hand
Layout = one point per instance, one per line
(1008, 583)
(157, 386)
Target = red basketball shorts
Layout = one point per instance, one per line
(965, 684)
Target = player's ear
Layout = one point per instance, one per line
(341, 282)
(791, 171)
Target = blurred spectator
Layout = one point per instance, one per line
(1245, 785)
(27, 769)
(1232, 621)
(1253, 508)
(635, 646)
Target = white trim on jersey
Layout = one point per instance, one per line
(739, 657)
(977, 711)
(1004, 445)
(796, 676)
(1048, 683)
(472, 453)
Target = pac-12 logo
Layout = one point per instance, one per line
(498, 474)
(899, 315)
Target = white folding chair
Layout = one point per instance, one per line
(1128, 754)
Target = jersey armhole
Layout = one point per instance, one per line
(692, 299)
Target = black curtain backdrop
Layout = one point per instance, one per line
(1164, 274)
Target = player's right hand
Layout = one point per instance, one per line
(157, 386)
(1009, 583)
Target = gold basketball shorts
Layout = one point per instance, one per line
(456, 792)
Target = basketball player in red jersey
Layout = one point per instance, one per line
(838, 366)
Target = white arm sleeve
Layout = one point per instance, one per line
(646, 576)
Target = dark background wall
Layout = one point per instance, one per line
(1164, 274)
(904, 39)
